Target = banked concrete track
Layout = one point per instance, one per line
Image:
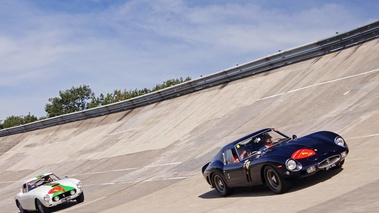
(149, 159)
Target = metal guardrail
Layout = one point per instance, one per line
(319, 48)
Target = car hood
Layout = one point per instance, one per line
(56, 187)
(321, 145)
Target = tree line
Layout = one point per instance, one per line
(81, 98)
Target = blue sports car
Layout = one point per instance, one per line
(269, 157)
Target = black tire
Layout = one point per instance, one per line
(20, 207)
(339, 164)
(220, 185)
(275, 181)
(80, 198)
(41, 208)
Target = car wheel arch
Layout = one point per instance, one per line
(204, 167)
(19, 206)
(263, 175)
(36, 203)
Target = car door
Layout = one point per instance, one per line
(27, 199)
(22, 197)
(234, 171)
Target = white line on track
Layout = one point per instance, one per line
(319, 84)
(153, 179)
(163, 164)
(126, 169)
(115, 170)
(2, 182)
(102, 172)
(364, 136)
(167, 178)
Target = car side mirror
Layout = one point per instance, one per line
(294, 137)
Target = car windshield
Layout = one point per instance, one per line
(252, 145)
(41, 180)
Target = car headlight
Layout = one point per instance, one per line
(72, 192)
(56, 198)
(46, 197)
(79, 185)
(292, 165)
(339, 141)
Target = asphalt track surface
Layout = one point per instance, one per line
(149, 159)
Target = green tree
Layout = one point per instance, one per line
(169, 83)
(95, 102)
(12, 121)
(29, 118)
(75, 99)
(72, 100)
(17, 120)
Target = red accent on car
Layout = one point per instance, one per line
(302, 153)
(56, 189)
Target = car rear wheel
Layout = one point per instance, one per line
(41, 208)
(220, 185)
(274, 181)
(20, 207)
(80, 198)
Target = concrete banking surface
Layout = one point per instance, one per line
(149, 159)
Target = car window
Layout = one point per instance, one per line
(50, 178)
(41, 180)
(268, 139)
(24, 188)
(241, 149)
(230, 156)
(54, 177)
(31, 185)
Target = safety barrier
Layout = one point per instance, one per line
(283, 58)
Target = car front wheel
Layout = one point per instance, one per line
(80, 198)
(339, 164)
(220, 185)
(274, 181)
(41, 208)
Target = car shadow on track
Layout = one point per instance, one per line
(260, 191)
(60, 207)
(63, 206)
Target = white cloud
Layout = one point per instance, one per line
(137, 44)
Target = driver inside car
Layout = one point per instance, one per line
(266, 141)
(244, 150)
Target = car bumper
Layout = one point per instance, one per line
(310, 168)
(63, 198)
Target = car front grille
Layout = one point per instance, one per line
(329, 161)
(66, 194)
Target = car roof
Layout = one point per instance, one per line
(38, 177)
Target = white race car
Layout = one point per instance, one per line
(48, 190)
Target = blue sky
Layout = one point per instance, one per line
(47, 46)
